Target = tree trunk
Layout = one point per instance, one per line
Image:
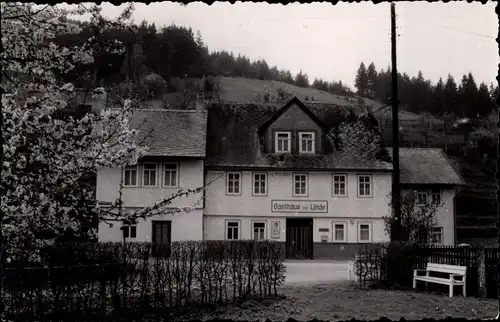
(481, 273)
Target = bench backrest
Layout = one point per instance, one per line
(450, 269)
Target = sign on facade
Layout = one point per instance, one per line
(299, 206)
(275, 230)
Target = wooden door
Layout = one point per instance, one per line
(162, 233)
(299, 242)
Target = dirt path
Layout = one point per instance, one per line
(341, 301)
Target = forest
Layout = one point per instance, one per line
(176, 52)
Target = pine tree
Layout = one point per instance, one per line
(371, 81)
(450, 95)
(301, 80)
(361, 81)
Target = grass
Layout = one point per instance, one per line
(343, 301)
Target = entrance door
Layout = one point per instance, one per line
(162, 232)
(299, 239)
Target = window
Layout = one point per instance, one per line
(130, 176)
(149, 175)
(340, 185)
(421, 198)
(306, 142)
(171, 171)
(364, 232)
(339, 232)
(300, 184)
(233, 183)
(259, 230)
(232, 230)
(259, 183)
(129, 229)
(436, 197)
(364, 186)
(437, 236)
(282, 142)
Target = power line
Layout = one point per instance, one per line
(451, 28)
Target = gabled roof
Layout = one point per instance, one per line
(281, 111)
(426, 166)
(171, 132)
(233, 140)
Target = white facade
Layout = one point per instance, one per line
(350, 209)
(185, 225)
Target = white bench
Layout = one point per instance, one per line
(452, 270)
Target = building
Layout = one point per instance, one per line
(273, 172)
(176, 142)
(430, 174)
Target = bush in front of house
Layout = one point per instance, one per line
(199, 273)
(389, 264)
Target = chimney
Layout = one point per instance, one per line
(200, 102)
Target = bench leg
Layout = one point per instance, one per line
(414, 283)
(451, 290)
(463, 290)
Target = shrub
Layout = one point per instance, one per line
(195, 272)
(152, 86)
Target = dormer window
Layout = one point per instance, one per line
(306, 142)
(282, 142)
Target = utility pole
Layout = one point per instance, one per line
(396, 189)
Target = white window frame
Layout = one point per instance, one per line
(370, 237)
(289, 140)
(131, 168)
(144, 174)
(370, 183)
(129, 225)
(239, 184)
(344, 224)
(295, 194)
(254, 181)
(227, 229)
(313, 145)
(420, 192)
(264, 229)
(432, 193)
(433, 232)
(344, 175)
(170, 171)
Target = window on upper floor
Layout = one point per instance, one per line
(233, 230)
(300, 184)
(233, 183)
(364, 185)
(422, 198)
(307, 142)
(129, 229)
(339, 185)
(436, 197)
(130, 176)
(259, 230)
(260, 184)
(149, 174)
(282, 142)
(170, 174)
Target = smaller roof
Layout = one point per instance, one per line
(426, 166)
(177, 133)
(281, 111)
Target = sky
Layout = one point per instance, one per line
(330, 41)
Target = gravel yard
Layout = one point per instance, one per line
(336, 301)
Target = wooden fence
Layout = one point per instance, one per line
(464, 256)
(388, 266)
